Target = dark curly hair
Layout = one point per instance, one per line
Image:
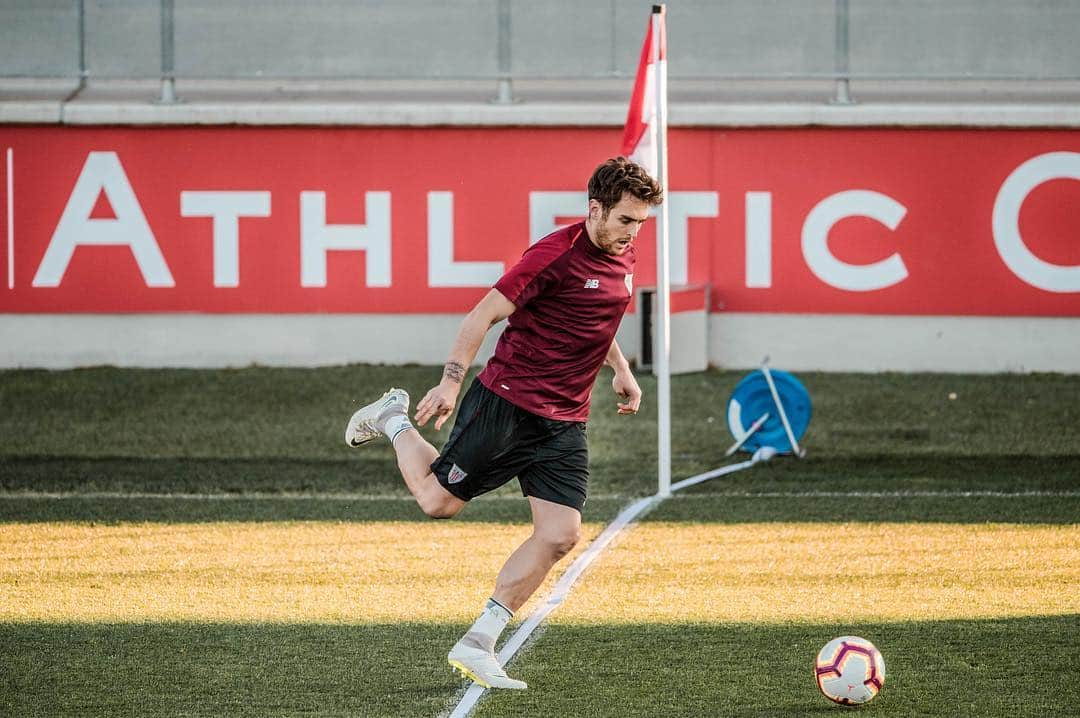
(618, 175)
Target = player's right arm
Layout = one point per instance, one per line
(441, 400)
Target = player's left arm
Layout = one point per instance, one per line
(624, 383)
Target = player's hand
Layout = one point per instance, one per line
(626, 388)
(439, 403)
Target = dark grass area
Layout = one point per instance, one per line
(257, 412)
(299, 413)
(288, 475)
(699, 504)
(279, 430)
(137, 474)
(974, 668)
(989, 668)
(376, 475)
(213, 670)
(1004, 430)
(714, 508)
(241, 508)
(886, 472)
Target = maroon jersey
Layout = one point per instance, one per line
(569, 298)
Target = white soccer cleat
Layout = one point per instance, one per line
(366, 424)
(481, 666)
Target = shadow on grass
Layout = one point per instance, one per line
(376, 474)
(179, 669)
(355, 483)
(868, 472)
(987, 669)
(748, 496)
(1017, 472)
(691, 508)
(90, 509)
(1005, 668)
(720, 508)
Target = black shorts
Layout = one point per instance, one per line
(493, 441)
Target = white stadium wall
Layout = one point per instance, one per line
(854, 249)
(795, 342)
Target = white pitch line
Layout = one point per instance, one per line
(557, 596)
(729, 469)
(887, 494)
(139, 495)
(255, 496)
(120, 496)
(11, 217)
(577, 568)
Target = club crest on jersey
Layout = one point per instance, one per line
(592, 283)
(457, 475)
(629, 283)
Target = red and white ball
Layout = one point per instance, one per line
(850, 670)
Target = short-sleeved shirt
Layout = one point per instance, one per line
(570, 298)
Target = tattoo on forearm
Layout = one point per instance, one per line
(454, 372)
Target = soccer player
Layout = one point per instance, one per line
(525, 413)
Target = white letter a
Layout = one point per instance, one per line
(103, 173)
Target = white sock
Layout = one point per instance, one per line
(394, 425)
(489, 626)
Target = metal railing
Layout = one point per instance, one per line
(504, 74)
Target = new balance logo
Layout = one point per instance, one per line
(592, 283)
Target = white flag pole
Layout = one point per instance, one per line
(663, 278)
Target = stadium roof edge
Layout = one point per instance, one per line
(468, 104)
(549, 115)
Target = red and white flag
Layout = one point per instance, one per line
(640, 134)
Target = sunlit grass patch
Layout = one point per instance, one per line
(821, 572)
(380, 572)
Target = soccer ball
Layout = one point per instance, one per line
(850, 670)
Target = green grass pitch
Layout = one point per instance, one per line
(129, 449)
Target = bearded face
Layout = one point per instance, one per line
(613, 231)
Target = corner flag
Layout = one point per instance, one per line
(640, 134)
(645, 142)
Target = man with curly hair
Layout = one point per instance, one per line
(525, 413)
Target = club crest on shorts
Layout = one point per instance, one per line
(629, 283)
(457, 475)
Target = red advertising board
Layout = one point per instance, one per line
(362, 220)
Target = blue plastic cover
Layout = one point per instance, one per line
(752, 398)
